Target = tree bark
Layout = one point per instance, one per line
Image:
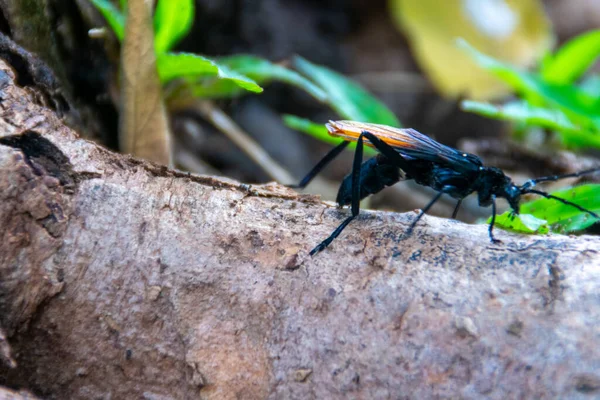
(7, 394)
(124, 279)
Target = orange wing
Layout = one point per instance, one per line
(407, 142)
(351, 130)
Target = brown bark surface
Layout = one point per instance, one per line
(7, 394)
(122, 279)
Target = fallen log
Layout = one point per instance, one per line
(124, 279)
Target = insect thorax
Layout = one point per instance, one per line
(493, 182)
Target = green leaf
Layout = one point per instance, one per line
(215, 88)
(186, 65)
(347, 98)
(179, 65)
(561, 216)
(571, 61)
(576, 223)
(572, 100)
(318, 131)
(521, 111)
(173, 20)
(261, 71)
(264, 71)
(525, 223)
(537, 215)
(114, 17)
(591, 85)
(524, 113)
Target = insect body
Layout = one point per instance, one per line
(428, 163)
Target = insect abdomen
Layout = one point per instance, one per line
(375, 174)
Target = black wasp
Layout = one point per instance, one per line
(428, 163)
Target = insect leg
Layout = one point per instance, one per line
(424, 210)
(491, 226)
(549, 196)
(333, 153)
(355, 197)
(455, 212)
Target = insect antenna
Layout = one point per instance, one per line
(560, 199)
(532, 182)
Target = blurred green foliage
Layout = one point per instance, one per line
(114, 17)
(173, 20)
(559, 98)
(347, 98)
(258, 69)
(231, 76)
(554, 97)
(542, 215)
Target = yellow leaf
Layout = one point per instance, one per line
(144, 128)
(514, 31)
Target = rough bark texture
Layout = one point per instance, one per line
(122, 279)
(7, 394)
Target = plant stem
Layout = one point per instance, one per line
(237, 135)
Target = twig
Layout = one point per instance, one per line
(225, 124)
(324, 187)
(237, 135)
